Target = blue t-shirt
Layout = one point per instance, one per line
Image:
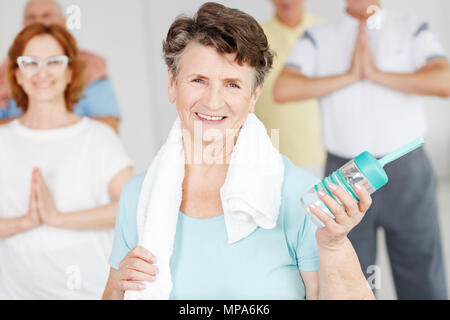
(98, 100)
(264, 265)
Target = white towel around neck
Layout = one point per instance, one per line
(251, 197)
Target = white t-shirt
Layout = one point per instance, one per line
(366, 116)
(77, 163)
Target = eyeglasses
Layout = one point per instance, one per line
(31, 65)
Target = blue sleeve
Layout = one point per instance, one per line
(11, 111)
(307, 257)
(125, 232)
(299, 228)
(99, 100)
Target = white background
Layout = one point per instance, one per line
(129, 33)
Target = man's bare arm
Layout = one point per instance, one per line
(433, 79)
(292, 85)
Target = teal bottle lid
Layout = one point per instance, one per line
(371, 169)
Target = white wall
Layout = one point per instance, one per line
(129, 34)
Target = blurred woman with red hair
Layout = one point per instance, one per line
(61, 176)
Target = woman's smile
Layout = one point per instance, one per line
(43, 84)
(210, 119)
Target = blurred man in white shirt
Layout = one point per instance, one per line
(368, 78)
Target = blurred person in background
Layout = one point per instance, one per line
(368, 70)
(297, 121)
(99, 101)
(60, 179)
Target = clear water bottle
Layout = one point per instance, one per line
(365, 170)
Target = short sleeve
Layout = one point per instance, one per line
(299, 228)
(303, 55)
(120, 246)
(125, 230)
(307, 257)
(99, 100)
(425, 45)
(112, 157)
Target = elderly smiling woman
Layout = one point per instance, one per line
(213, 226)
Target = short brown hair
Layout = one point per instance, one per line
(74, 89)
(225, 29)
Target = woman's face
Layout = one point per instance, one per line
(212, 90)
(44, 85)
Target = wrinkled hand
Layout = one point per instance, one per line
(138, 265)
(335, 232)
(45, 204)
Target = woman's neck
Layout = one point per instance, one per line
(209, 155)
(207, 171)
(204, 175)
(207, 163)
(47, 115)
